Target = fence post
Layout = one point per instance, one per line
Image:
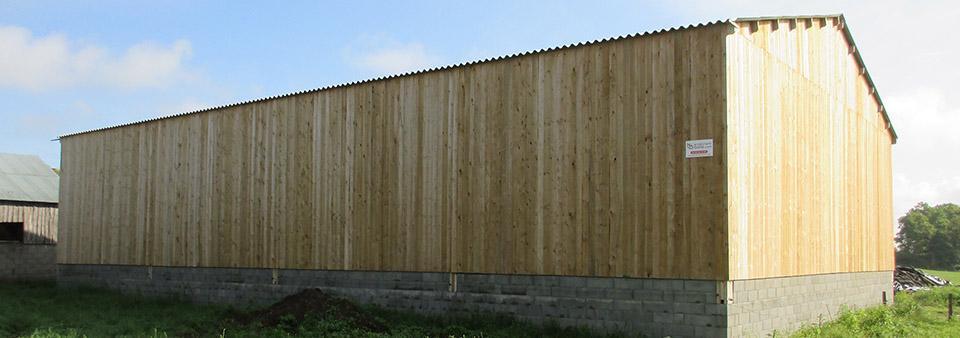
(949, 306)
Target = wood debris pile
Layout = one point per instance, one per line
(911, 279)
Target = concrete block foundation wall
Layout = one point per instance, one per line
(28, 261)
(653, 307)
(761, 306)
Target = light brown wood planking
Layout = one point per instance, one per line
(809, 174)
(39, 220)
(566, 162)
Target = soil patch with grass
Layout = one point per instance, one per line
(295, 309)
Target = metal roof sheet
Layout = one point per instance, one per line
(25, 178)
(428, 70)
(839, 17)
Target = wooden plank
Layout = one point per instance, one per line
(568, 162)
(39, 220)
(809, 159)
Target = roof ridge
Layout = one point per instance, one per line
(409, 73)
(839, 17)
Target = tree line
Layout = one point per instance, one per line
(929, 237)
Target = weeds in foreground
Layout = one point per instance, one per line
(920, 314)
(43, 310)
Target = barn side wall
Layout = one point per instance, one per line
(39, 220)
(565, 162)
(36, 257)
(809, 171)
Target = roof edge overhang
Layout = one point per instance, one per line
(854, 50)
(25, 202)
(411, 73)
(839, 17)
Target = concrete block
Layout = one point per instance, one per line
(522, 280)
(654, 306)
(618, 293)
(546, 281)
(590, 292)
(572, 282)
(693, 297)
(705, 320)
(628, 283)
(690, 308)
(646, 294)
(701, 331)
(668, 318)
(679, 330)
(700, 286)
(599, 283)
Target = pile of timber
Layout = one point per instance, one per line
(911, 279)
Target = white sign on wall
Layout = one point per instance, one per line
(699, 148)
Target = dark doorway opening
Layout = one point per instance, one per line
(11, 232)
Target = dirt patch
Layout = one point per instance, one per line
(295, 308)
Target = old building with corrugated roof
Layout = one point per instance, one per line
(28, 218)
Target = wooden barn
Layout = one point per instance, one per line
(723, 179)
(28, 218)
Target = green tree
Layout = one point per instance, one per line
(930, 236)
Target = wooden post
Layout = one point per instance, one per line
(949, 306)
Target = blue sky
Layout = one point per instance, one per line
(224, 52)
(77, 65)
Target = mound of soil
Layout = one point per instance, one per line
(298, 307)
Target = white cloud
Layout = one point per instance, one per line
(384, 56)
(185, 106)
(53, 61)
(50, 122)
(926, 159)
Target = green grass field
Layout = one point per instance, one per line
(952, 276)
(43, 310)
(920, 314)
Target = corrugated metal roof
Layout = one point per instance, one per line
(25, 178)
(382, 78)
(839, 17)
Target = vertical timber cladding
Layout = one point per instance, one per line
(567, 162)
(39, 220)
(809, 154)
